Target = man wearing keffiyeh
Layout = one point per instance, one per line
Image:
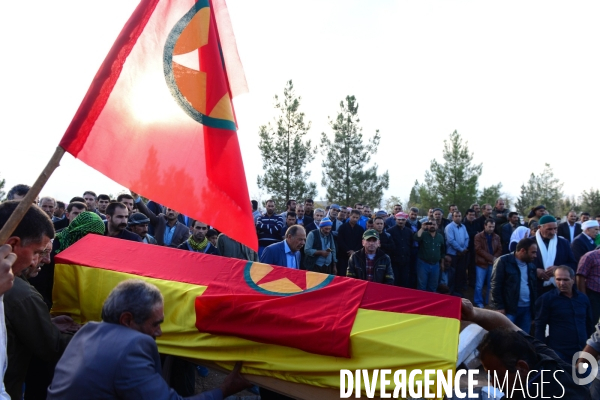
(198, 241)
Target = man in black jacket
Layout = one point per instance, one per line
(402, 237)
(514, 284)
(349, 241)
(371, 263)
(570, 228)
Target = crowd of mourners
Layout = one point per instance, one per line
(533, 281)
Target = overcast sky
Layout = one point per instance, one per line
(518, 80)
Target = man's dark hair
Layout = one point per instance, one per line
(60, 204)
(254, 205)
(134, 296)
(597, 216)
(211, 232)
(369, 221)
(293, 230)
(470, 210)
(473, 205)
(77, 198)
(270, 201)
(19, 190)
(289, 202)
(489, 221)
(80, 205)
(92, 193)
(583, 213)
(112, 207)
(124, 196)
(34, 225)
(451, 205)
(510, 214)
(376, 218)
(414, 209)
(309, 201)
(291, 214)
(526, 244)
(509, 347)
(456, 212)
(566, 268)
(103, 197)
(355, 211)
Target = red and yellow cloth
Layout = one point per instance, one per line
(294, 325)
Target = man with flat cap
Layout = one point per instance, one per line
(138, 224)
(370, 263)
(553, 251)
(586, 240)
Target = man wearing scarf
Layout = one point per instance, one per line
(552, 252)
(320, 249)
(198, 242)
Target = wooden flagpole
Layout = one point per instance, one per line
(35, 190)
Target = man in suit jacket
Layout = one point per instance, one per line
(287, 252)
(507, 229)
(168, 231)
(569, 229)
(118, 358)
(585, 241)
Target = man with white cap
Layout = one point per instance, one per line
(320, 249)
(553, 251)
(585, 241)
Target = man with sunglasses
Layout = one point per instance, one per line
(198, 242)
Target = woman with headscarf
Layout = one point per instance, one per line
(536, 213)
(85, 223)
(521, 232)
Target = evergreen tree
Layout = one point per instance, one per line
(453, 181)
(490, 194)
(390, 202)
(542, 189)
(590, 202)
(285, 153)
(346, 176)
(414, 199)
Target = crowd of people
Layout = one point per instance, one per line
(541, 276)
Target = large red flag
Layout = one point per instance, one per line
(158, 117)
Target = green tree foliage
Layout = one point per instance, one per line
(346, 176)
(540, 189)
(490, 194)
(567, 204)
(285, 153)
(390, 202)
(453, 181)
(590, 201)
(414, 199)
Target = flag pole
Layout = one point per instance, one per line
(21, 210)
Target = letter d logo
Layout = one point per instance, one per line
(584, 366)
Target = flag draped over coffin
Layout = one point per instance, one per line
(294, 325)
(158, 117)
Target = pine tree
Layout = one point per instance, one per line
(490, 194)
(590, 202)
(414, 199)
(542, 189)
(285, 153)
(346, 176)
(453, 181)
